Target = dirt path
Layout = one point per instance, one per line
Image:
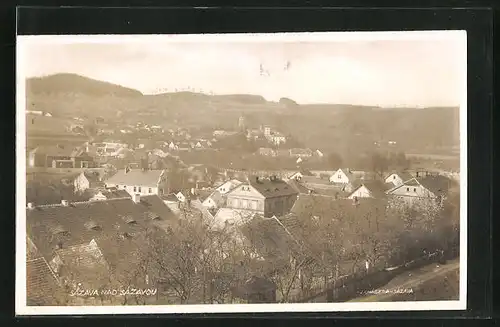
(409, 281)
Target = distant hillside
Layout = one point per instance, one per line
(241, 98)
(342, 128)
(76, 84)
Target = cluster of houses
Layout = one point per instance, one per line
(266, 133)
(69, 242)
(238, 199)
(298, 153)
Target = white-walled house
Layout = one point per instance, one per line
(137, 181)
(398, 178)
(181, 197)
(342, 176)
(228, 186)
(420, 189)
(87, 180)
(214, 200)
(370, 189)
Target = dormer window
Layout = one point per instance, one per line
(129, 220)
(59, 230)
(153, 215)
(91, 225)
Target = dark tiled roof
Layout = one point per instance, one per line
(156, 207)
(60, 151)
(147, 178)
(42, 286)
(54, 150)
(92, 176)
(116, 194)
(307, 206)
(44, 221)
(218, 198)
(84, 263)
(170, 197)
(412, 182)
(315, 180)
(300, 188)
(272, 188)
(377, 188)
(404, 175)
(436, 184)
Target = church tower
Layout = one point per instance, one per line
(241, 123)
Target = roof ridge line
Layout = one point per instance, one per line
(82, 202)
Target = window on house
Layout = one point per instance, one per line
(135, 189)
(407, 189)
(393, 177)
(150, 190)
(140, 189)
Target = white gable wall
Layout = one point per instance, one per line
(209, 203)
(361, 192)
(395, 179)
(339, 177)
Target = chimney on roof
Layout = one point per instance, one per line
(65, 203)
(31, 205)
(136, 198)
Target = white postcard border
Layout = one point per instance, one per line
(20, 295)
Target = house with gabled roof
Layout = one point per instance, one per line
(398, 178)
(82, 264)
(60, 156)
(299, 174)
(118, 229)
(139, 181)
(370, 189)
(420, 189)
(88, 180)
(111, 193)
(228, 186)
(342, 176)
(214, 200)
(266, 196)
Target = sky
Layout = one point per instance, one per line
(381, 71)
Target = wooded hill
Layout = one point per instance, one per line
(330, 127)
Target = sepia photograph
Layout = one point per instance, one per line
(279, 172)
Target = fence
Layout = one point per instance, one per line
(347, 287)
